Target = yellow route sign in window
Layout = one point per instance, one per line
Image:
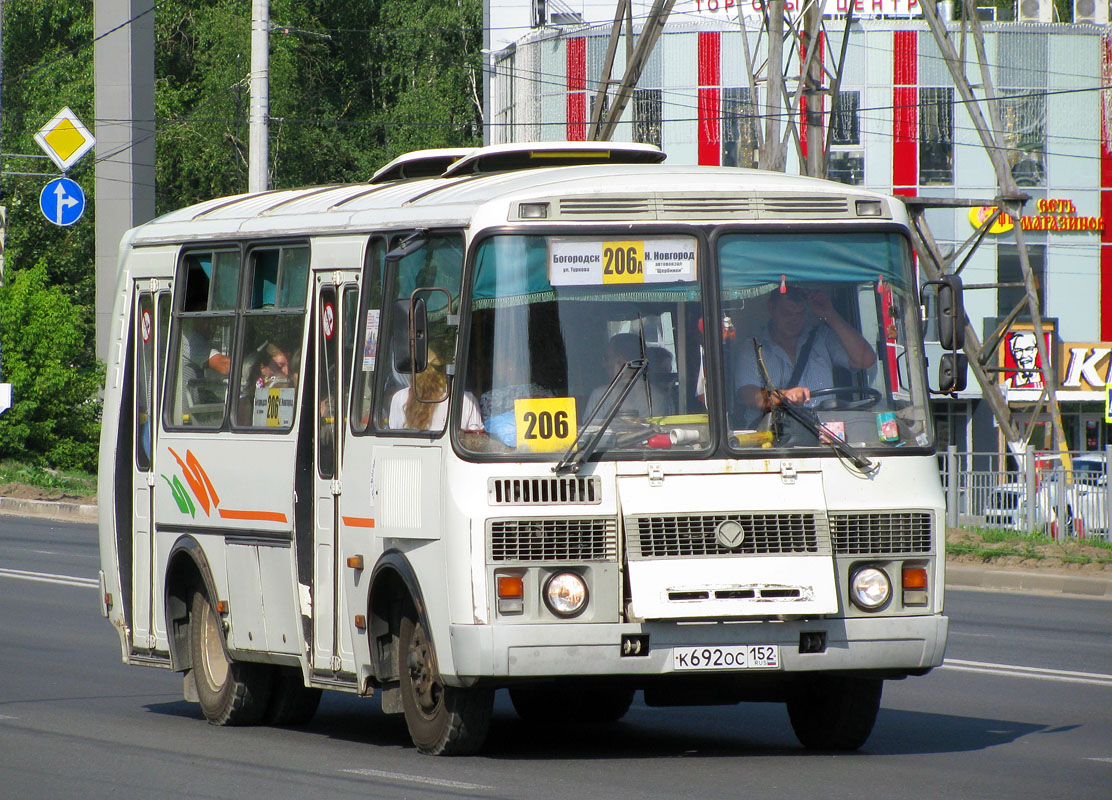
(65, 139)
(545, 424)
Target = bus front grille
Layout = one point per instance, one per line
(686, 536)
(547, 491)
(881, 533)
(552, 540)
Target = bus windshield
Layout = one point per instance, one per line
(604, 335)
(555, 320)
(826, 321)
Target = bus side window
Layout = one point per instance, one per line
(203, 321)
(438, 264)
(268, 369)
(366, 359)
(144, 380)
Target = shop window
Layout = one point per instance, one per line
(846, 166)
(846, 161)
(1023, 118)
(846, 127)
(647, 105)
(1008, 270)
(936, 136)
(739, 128)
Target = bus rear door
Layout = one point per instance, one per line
(151, 316)
(337, 297)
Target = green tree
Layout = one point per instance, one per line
(55, 417)
(353, 84)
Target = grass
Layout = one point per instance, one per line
(68, 481)
(991, 544)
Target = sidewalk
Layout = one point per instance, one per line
(958, 576)
(51, 509)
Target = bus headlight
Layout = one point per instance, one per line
(565, 594)
(869, 588)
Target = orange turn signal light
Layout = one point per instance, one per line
(914, 577)
(510, 586)
(360, 622)
(221, 606)
(355, 562)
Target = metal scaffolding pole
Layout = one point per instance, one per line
(1011, 200)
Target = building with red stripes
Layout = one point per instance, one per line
(899, 126)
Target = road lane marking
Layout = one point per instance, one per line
(419, 779)
(1038, 673)
(46, 577)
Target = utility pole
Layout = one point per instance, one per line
(123, 75)
(258, 157)
(3, 208)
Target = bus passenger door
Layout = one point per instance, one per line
(148, 346)
(336, 298)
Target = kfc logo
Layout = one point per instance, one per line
(1022, 364)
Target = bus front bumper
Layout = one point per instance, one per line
(895, 644)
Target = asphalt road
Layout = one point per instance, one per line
(1020, 710)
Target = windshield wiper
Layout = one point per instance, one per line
(813, 424)
(630, 372)
(823, 433)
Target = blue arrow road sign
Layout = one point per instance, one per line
(62, 201)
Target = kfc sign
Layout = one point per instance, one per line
(1087, 366)
(1021, 361)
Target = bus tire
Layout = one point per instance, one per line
(231, 692)
(548, 705)
(832, 713)
(292, 703)
(442, 720)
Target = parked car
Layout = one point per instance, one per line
(1085, 497)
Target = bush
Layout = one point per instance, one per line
(55, 415)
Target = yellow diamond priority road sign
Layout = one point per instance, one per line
(65, 139)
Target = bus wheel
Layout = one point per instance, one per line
(550, 705)
(292, 703)
(231, 692)
(442, 720)
(834, 712)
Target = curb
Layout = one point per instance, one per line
(1034, 581)
(51, 509)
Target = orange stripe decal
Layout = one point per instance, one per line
(359, 522)
(258, 516)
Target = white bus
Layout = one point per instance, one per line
(521, 417)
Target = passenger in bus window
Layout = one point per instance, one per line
(804, 340)
(272, 368)
(622, 348)
(203, 351)
(408, 412)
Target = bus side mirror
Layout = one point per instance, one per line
(951, 312)
(418, 334)
(952, 370)
(408, 318)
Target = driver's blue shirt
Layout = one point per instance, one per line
(818, 373)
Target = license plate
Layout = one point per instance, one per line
(751, 656)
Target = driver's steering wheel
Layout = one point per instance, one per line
(869, 397)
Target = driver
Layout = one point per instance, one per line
(799, 353)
